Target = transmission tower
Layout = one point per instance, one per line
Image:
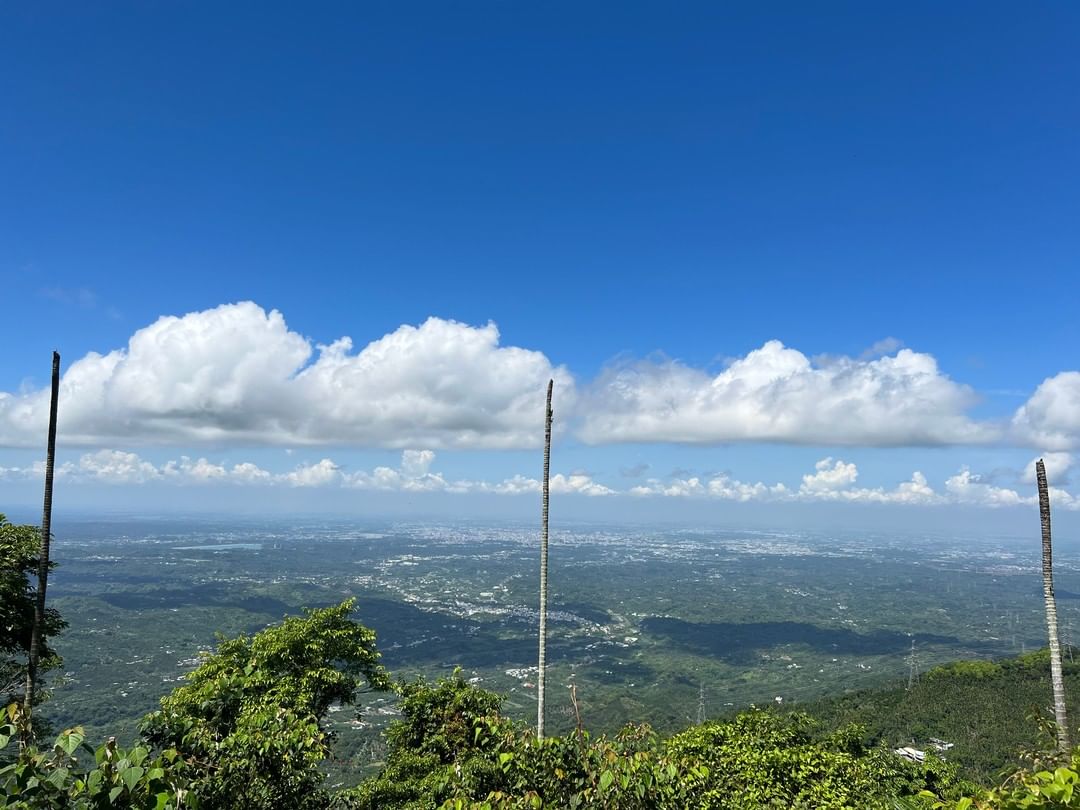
(913, 667)
(701, 704)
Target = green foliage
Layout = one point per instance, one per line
(761, 760)
(453, 750)
(249, 721)
(988, 710)
(449, 727)
(121, 779)
(19, 547)
(967, 669)
(1052, 789)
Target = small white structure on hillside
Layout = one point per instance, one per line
(912, 754)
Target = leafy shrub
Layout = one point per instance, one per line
(249, 720)
(452, 749)
(120, 779)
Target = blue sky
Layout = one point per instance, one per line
(615, 186)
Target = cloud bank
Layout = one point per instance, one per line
(832, 481)
(413, 474)
(237, 374)
(776, 394)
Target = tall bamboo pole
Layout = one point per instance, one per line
(1051, 610)
(541, 675)
(38, 632)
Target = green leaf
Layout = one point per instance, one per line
(70, 740)
(58, 777)
(131, 777)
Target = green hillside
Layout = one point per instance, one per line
(984, 708)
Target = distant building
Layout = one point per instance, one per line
(912, 754)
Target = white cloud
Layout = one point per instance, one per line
(321, 474)
(250, 473)
(416, 463)
(1060, 499)
(518, 485)
(969, 488)
(776, 394)
(1051, 417)
(112, 466)
(1057, 468)
(577, 483)
(915, 491)
(34, 471)
(198, 470)
(236, 373)
(721, 487)
(412, 475)
(830, 476)
(121, 467)
(832, 481)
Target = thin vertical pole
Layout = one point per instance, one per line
(38, 632)
(541, 675)
(1056, 678)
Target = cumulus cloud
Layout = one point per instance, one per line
(34, 471)
(320, 474)
(113, 466)
(238, 374)
(1057, 468)
(577, 483)
(413, 474)
(721, 487)
(833, 481)
(830, 475)
(968, 487)
(250, 473)
(777, 394)
(1051, 417)
(121, 467)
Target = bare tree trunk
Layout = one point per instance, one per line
(38, 631)
(1051, 610)
(541, 675)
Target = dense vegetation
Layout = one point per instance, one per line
(248, 728)
(246, 731)
(453, 749)
(987, 710)
(643, 619)
(18, 563)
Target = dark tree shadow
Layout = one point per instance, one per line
(738, 643)
(209, 595)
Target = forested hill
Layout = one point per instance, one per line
(984, 708)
